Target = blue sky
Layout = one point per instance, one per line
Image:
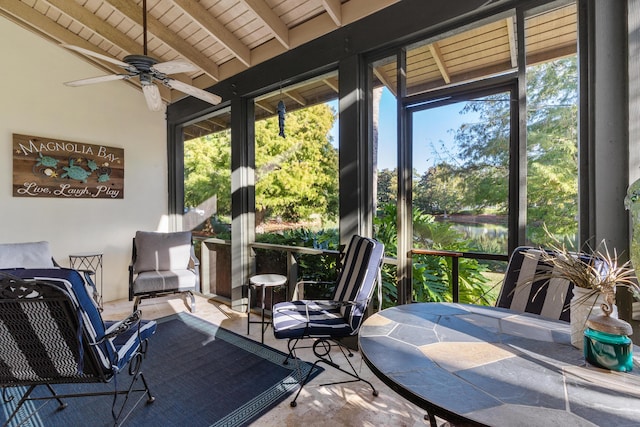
(432, 137)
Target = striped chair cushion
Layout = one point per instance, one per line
(522, 292)
(111, 354)
(309, 318)
(358, 277)
(343, 314)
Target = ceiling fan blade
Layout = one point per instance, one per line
(99, 79)
(193, 91)
(152, 96)
(175, 66)
(95, 55)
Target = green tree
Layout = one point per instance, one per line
(387, 186)
(552, 147)
(440, 190)
(551, 150)
(484, 148)
(207, 171)
(297, 176)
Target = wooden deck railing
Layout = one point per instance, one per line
(216, 284)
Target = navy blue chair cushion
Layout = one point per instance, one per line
(309, 318)
(112, 353)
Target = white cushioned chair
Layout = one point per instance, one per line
(30, 255)
(163, 263)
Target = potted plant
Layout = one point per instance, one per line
(595, 277)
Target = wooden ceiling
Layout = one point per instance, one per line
(483, 51)
(220, 37)
(477, 53)
(225, 37)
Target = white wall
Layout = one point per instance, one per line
(33, 101)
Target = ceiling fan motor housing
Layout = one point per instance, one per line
(142, 63)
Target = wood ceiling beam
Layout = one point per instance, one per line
(332, 83)
(265, 14)
(296, 97)
(97, 25)
(442, 67)
(40, 24)
(354, 10)
(334, 9)
(203, 125)
(219, 122)
(155, 27)
(382, 76)
(216, 29)
(512, 41)
(266, 106)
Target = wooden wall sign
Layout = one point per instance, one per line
(45, 167)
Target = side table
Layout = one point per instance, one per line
(265, 281)
(91, 261)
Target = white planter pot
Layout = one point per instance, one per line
(581, 308)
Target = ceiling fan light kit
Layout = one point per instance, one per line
(149, 71)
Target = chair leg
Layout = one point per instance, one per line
(25, 397)
(135, 371)
(192, 297)
(321, 349)
(292, 350)
(136, 302)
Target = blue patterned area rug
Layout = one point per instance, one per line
(200, 374)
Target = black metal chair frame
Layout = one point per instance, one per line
(322, 344)
(20, 296)
(321, 348)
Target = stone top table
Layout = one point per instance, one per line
(476, 365)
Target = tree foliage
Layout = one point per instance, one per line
(432, 275)
(440, 190)
(296, 176)
(551, 150)
(207, 170)
(387, 186)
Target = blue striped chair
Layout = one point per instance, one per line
(524, 292)
(328, 321)
(52, 333)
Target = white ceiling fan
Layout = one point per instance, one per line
(149, 71)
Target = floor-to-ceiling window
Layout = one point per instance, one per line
(296, 158)
(552, 127)
(474, 182)
(453, 164)
(297, 176)
(207, 176)
(207, 196)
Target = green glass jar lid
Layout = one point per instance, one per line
(609, 325)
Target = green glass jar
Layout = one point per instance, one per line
(607, 344)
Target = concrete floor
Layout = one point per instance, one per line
(350, 404)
